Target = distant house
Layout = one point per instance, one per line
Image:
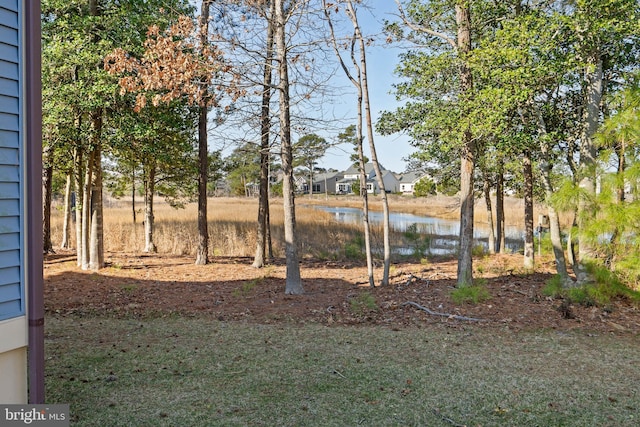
(344, 186)
(351, 175)
(324, 183)
(391, 182)
(409, 180)
(299, 181)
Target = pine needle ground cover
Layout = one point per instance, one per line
(194, 371)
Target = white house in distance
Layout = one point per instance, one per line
(409, 180)
(345, 185)
(21, 308)
(342, 182)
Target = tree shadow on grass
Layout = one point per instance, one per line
(335, 293)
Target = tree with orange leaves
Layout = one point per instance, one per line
(180, 63)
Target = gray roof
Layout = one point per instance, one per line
(327, 175)
(412, 177)
(368, 167)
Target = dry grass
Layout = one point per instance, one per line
(232, 228)
(232, 224)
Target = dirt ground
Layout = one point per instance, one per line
(335, 293)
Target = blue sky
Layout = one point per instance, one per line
(381, 62)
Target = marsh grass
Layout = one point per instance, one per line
(232, 226)
(202, 372)
(232, 230)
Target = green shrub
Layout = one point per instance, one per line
(471, 294)
(354, 249)
(479, 251)
(606, 287)
(553, 287)
(425, 187)
(417, 242)
(581, 295)
(247, 287)
(543, 244)
(363, 303)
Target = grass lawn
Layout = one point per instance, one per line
(202, 372)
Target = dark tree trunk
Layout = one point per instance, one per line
(202, 252)
(78, 212)
(47, 181)
(500, 236)
(529, 247)
(267, 229)
(467, 158)
(133, 196)
(265, 157)
(486, 188)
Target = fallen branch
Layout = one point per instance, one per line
(335, 371)
(411, 279)
(447, 315)
(449, 420)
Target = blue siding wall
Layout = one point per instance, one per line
(11, 239)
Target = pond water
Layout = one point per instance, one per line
(443, 233)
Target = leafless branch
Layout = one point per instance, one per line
(447, 315)
(421, 29)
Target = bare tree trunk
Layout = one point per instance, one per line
(47, 181)
(86, 210)
(133, 196)
(556, 242)
(265, 130)
(486, 188)
(79, 173)
(365, 201)
(467, 158)
(202, 252)
(149, 225)
(620, 152)
(96, 242)
(293, 279)
(372, 148)
(66, 219)
(554, 220)
(267, 228)
(586, 212)
(529, 247)
(500, 235)
(357, 82)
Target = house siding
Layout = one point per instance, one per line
(12, 284)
